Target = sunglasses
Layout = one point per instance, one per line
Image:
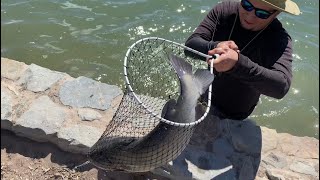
(260, 13)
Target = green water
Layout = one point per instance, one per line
(90, 38)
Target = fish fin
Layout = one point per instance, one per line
(168, 108)
(180, 65)
(203, 78)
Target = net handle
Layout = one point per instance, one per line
(142, 104)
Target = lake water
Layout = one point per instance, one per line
(90, 38)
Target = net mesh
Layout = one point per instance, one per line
(139, 139)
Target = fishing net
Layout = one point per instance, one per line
(151, 82)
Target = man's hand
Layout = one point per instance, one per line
(228, 44)
(228, 51)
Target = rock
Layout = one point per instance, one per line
(269, 139)
(309, 148)
(303, 168)
(302, 147)
(85, 92)
(38, 79)
(279, 174)
(6, 108)
(289, 144)
(89, 114)
(78, 138)
(276, 160)
(261, 178)
(316, 167)
(42, 119)
(12, 69)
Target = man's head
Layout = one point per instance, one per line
(257, 14)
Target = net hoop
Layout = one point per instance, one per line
(144, 106)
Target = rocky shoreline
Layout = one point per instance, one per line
(49, 106)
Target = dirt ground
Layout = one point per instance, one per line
(25, 159)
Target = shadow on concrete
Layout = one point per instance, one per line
(203, 157)
(222, 150)
(12, 143)
(37, 150)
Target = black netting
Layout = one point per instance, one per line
(137, 139)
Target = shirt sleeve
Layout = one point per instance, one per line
(273, 81)
(201, 39)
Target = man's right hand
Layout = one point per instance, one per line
(228, 56)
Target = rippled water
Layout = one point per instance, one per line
(90, 38)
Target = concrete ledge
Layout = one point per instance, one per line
(72, 113)
(46, 105)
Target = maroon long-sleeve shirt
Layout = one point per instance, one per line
(264, 66)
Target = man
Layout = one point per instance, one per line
(255, 53)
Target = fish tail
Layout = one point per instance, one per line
(180, 66)
(202, 77)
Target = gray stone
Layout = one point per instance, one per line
(302, 147)
(85, 92)
(43, 118)
(290, 145)
(246, 136)
(89, 114)
(275, 160)
(38, 79)
(269, 139)
(309, 148)
(280, 174)
(303, 168)
(316, 167)
(6, 104)
(78, 138)
(272, 175)
(12, 69)
(6, 109)
(261, 178)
